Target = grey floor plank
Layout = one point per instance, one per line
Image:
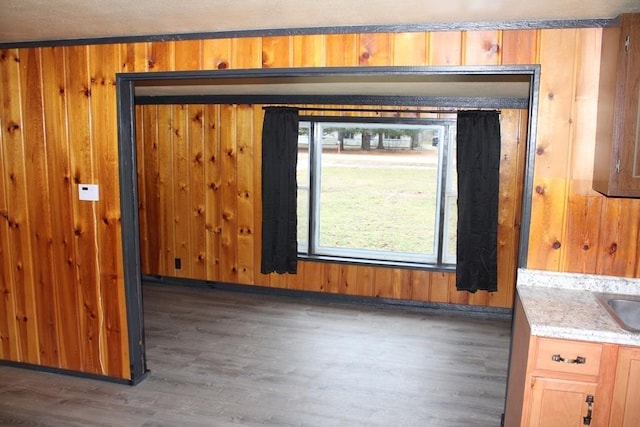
(220, 358)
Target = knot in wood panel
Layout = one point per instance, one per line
(13, 127)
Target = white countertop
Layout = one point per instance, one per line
(563, 305)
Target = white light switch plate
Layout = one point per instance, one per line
(88, 192)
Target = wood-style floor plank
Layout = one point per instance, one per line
(221, 358)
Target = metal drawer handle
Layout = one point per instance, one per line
(579, 360)
(586, 420)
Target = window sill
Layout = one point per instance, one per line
(449, 268)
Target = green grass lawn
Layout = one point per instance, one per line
(381, 208)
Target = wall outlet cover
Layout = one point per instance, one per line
(89, 192)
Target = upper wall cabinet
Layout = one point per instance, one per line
(616, 169)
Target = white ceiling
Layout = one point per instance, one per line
(39, 20)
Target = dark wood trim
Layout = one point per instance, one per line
(53, 370)
(130, 225)
(532, 135)
(351, 29)
(460, 309)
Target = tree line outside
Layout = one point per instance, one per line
(368, 137)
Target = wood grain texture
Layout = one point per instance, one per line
(196, 165)
(15, 182)
(181, 217)
(39, 207)
(240, 218)
(222, 358)
(76, 134)
(409, 48)
(10, 338)
(60, 198)
(342, 50)
(85, 235)
(111, 313)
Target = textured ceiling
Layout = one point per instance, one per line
(40, 20)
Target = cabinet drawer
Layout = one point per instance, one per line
(573, 357)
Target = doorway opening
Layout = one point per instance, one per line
(496, 87)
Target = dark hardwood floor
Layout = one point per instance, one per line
(219, 358)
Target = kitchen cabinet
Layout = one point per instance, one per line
(625, 409)
(557, 382)
(561, 403)
(616, 169)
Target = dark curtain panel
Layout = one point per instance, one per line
(279, 190)
(478, 164)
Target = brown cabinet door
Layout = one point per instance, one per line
(616, 169)
(625, 408)
(561, 403)
(629, 178)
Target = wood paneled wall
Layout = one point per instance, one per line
(61, 282)
(199, 186)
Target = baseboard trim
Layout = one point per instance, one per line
(334, 298)
(72, 373)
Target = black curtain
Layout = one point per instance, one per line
(478, 165)
(279, 190)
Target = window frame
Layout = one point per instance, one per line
(315, 251)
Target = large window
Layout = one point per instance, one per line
(376, 190)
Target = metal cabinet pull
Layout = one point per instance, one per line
(579, 360)
(586, 420)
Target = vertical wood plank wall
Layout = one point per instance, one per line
(180, 211)
(61, 281)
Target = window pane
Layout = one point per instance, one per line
(303, 187)
(379, 189)
(451, 207)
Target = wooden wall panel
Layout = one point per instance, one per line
(309, 51)
(143, 237)
(38, 205)
(557, 89)
(482, 47)
(104, 63)
(341, 50)
(375, 49)
(84, 215)
(58, 129)
(513, 130)
(134, 57)
(246, 195)
(213, 183)
(584, 205)
(239, 218)
(188, 55)
(10, 345)
(410, 49)
(228, 194)
(445, 48)
(519, 47)
(196, 163)
(246, 52)
(276, 52)
(60, 195)
(216, 54)
(15, 182)
(166, 186)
